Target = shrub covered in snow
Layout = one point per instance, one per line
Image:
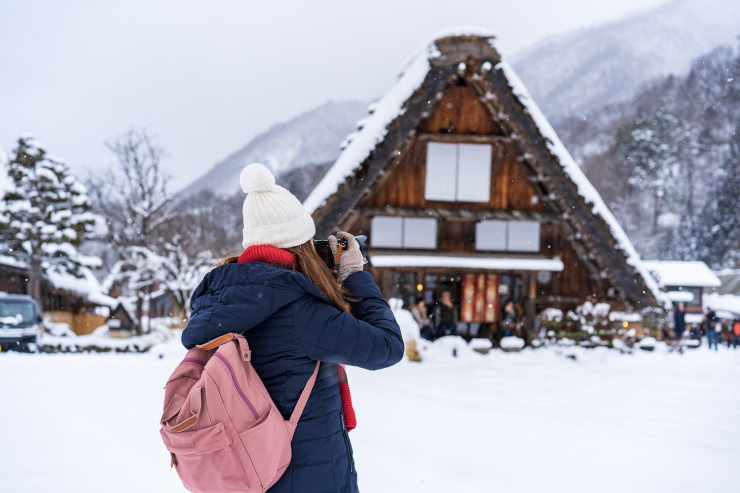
(99, 341)
(654, 319)
(551, 320)
(647, 343)
(511, 343)
(409, 327)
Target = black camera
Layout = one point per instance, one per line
(324, 250)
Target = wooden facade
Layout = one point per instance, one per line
(463, 100)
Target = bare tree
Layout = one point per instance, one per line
(133, 198)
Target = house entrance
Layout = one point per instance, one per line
(478, 295)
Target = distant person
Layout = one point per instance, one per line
(710, 328)
(446, 315)
(736, 333)
(679, 321)
(509, 319)
(419, 312)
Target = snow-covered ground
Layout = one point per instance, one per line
(514, 422)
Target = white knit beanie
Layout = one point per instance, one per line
(272, 215)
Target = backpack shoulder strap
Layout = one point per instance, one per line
(303, 399)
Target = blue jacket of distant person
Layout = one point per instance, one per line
(290, 325)
(679, 322)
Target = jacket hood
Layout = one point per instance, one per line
(237, 297)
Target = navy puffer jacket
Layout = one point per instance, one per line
(290, 325)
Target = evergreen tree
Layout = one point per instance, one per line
(718, 232)
(661, 161)
(45, 214)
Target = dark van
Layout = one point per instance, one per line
(20, 323)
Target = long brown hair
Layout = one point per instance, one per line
(310, 264)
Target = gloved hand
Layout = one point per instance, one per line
(351, 259)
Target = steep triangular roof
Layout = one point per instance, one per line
(560, 183)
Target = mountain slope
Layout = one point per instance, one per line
(310, 139)
(575, 72)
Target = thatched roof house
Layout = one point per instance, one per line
(460, 183)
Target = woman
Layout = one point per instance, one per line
(445, 315)
(294, 313)
(508, 318)
(419, 312)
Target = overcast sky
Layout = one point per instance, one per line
(206, 77)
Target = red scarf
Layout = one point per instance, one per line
(269, 255)
(283, 258)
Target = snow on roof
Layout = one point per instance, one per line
(679, 273)
(535, 264)
(680, 296)
(723, 302)
(625, 317)
(576, 174)
(373, 129)
(694, 318)
(87, 285)
(11, 262)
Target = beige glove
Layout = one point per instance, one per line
(351, 258)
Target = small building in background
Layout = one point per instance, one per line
(121, 323)
(684, 282)
(76, 301)
(161, 304)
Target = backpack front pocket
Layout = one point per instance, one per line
(271, 429)
(205, 460)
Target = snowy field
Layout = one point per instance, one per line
(533, 421)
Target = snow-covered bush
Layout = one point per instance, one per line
(593, 317)
(409, 327)
(511, 343)
(647, 343)
(552, 320)
(654, 319)
(447, 348)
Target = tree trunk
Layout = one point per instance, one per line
(34, 281)
(139, 313)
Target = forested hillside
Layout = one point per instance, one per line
(668, 162)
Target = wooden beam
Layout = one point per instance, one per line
(462, 214)
(465, 138)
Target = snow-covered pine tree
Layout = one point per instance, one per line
(46, 214)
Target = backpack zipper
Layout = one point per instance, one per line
(236, 384)
(195, 361)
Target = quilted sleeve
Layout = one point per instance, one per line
(370, 338)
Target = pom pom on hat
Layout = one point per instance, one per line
(272, 215)
(256, 178)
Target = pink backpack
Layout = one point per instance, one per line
(220, 425)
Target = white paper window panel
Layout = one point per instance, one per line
(490, 235)
(474, 173)
(524, 236)
(386, 232)
(441, 183)
(420, 233)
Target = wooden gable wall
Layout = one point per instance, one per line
(460, 117)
